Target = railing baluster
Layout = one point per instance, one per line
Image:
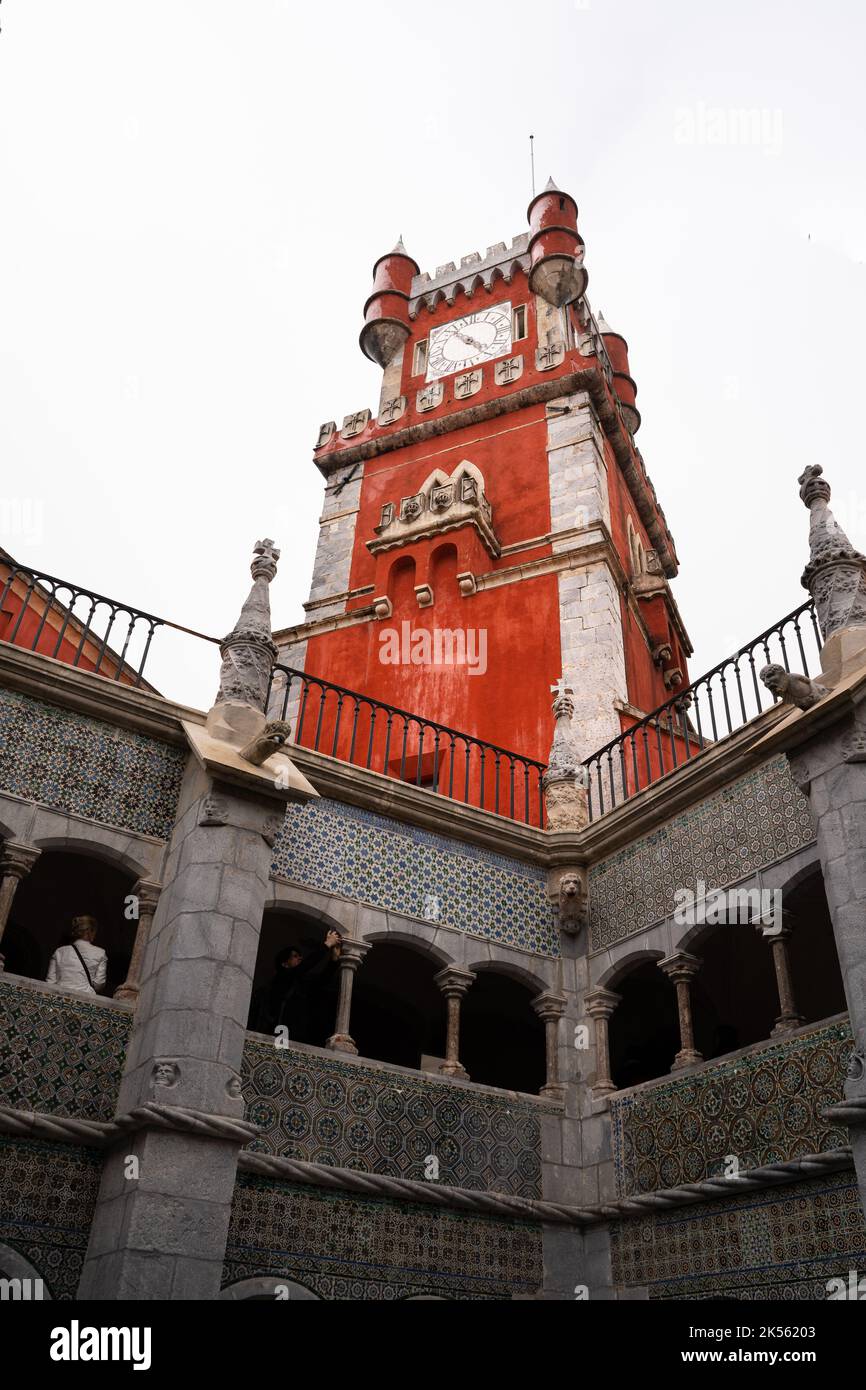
(373, 712)
(337, 725)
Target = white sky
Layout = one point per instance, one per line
(193, 193)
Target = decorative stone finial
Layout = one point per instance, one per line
(565, 780)
(248, 654)
(793, 689)
(836, 573)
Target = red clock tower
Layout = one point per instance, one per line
(491, 527)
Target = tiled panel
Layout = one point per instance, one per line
(755, 821)
(781, 1244)
(384, 863)
(60, 1055)
(349, 1115)
(764, 1107)
(356, 1248)
(88, 768)
(47, 1197)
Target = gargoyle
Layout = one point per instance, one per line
(572, 903)
(791, 688)
(271, 739)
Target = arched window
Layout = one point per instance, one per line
(644, 1035)
(295, 981)
(61, 885)
(398, 1012)
(501, 1036)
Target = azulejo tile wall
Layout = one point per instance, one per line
(760, 818)
(384, 863)
(780, 1244)
(358, 1248)
(88, 768)
(59, 1055)
(764, 1107)
(348, 1115)
(47, 1197)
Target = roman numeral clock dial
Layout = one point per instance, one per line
(465, 343)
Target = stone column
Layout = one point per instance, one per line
(351, 957)
(162, 1215)
(453, 983)
(16, 861)
(600, 1004)
(148, 897)
(682, 969)
(788, 1018)
(550, 1007)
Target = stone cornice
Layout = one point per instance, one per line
(57, 683)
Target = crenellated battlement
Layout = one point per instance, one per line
(474, 272)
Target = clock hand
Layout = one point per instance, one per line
(472, 342)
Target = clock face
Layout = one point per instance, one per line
(464, 343)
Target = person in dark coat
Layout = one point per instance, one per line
(298, 977)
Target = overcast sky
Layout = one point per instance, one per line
(194, 193)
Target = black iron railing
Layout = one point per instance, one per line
(382, 738)
(77, 625)
(705, 713)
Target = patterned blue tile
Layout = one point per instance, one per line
(88, 768)
(384, 863)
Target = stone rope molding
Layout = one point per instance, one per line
(36, 1125)
(31, 1124)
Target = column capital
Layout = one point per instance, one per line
(549, 1005)
(782, 932)
(16, 860)
(680, 966)
(147, 891)
(454, 981)
(601, 1002)
(352, 953)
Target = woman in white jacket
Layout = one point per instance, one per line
(81, 967)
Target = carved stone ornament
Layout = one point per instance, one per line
(248, 653)
(572, 903)
(441, 498)
(508, 371)
(412, 507)
(273, 737)
(271, 827)
(662, 653)
(424, 595)
(854, 746)
(430, 397)
(165, 1073)
(549, 356)
(326, 433)
(214, 811)
(382, 607)
(392, 410)
(792, 689)
(673, 677)
(355, 424)
(469, 384)
(836, 573)
(856, 1065)
(565, 781)
(443, 503)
